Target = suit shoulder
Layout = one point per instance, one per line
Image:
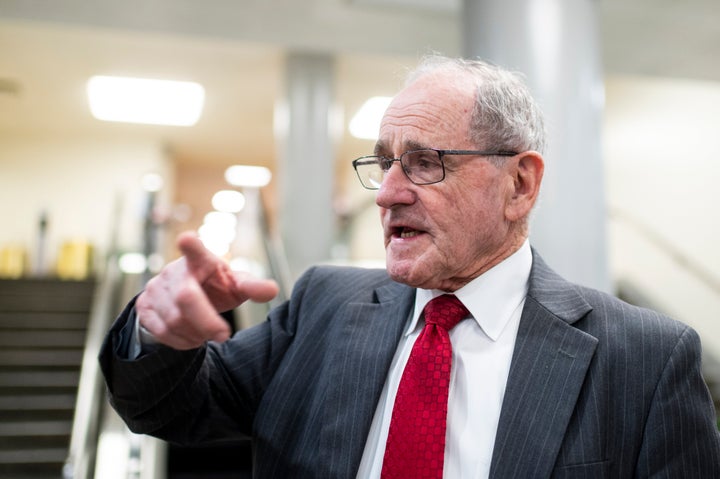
(334, 271)
(599, 313)
(618, 317)
(341, 280)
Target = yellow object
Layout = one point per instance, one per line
(13, 262)
(75, 260)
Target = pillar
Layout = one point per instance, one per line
(306, 173)
(555, 43)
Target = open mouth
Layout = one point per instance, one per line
(405, 232)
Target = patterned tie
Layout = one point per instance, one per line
(416, 440)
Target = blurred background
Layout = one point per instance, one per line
(90, 207)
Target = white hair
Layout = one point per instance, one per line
(505, 115)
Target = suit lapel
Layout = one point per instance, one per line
(360, 361)
(549, 365)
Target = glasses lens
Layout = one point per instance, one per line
(370, 171)
(423, 166)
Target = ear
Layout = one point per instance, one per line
(527, 175)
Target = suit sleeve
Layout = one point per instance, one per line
(681, 438)
(201, 395)
(148, 391)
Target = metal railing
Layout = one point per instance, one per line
(274, 252)
(707, 277)
(80, 462)
(95, 427)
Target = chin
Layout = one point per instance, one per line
(396, 273)
(405, 275)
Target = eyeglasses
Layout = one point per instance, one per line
(422, 167)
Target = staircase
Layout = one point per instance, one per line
(42, 335)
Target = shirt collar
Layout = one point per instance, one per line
(492, 297)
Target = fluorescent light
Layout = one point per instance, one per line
(221, 218)
(140, 100)
(366, 122)
(228, 201)
(218, 247)
(217, 233)
(248, 176)
(132, 263)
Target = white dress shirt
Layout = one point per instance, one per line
(482, 351)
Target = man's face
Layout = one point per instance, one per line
(443, 235)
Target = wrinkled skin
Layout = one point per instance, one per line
(180, 305)
(443, 235)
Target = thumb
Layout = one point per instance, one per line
(256, 289)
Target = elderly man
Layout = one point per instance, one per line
(467, 358)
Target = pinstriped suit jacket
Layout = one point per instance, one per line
(597, 388)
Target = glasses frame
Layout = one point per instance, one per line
(363, 160)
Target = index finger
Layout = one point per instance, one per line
(200, 261)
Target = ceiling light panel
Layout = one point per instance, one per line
(142, 100)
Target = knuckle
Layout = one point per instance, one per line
(153, 286)
(160, 331)
(185, 297)
(174, 322)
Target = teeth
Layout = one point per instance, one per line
(408, 233)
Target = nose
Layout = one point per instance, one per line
(396, 188)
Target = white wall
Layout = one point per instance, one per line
(78, 183)
(662, 161)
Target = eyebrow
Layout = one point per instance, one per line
(411, 145)
(379, 147)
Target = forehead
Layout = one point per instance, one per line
(433, 111)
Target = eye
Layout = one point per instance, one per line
(423, 164)
(385, 163)
(424, 160)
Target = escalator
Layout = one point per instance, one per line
(43, 324)
(55, 421)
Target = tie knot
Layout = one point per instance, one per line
(445, 311)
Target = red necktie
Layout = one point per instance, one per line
(416, 440)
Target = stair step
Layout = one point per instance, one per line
(52, 470)
(45, 295)
(31, 471)
(39, 379)
(41, 357)
(33, 442)
(43, 325)
(45, 304)
(35, 428)
(48, 320)
(46, 287)
(37, 416)
(41, 339)
(33, 456)
(37, 402)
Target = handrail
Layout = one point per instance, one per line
(693, 267)
(81, 456)
(81, 460)
(275, 252)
